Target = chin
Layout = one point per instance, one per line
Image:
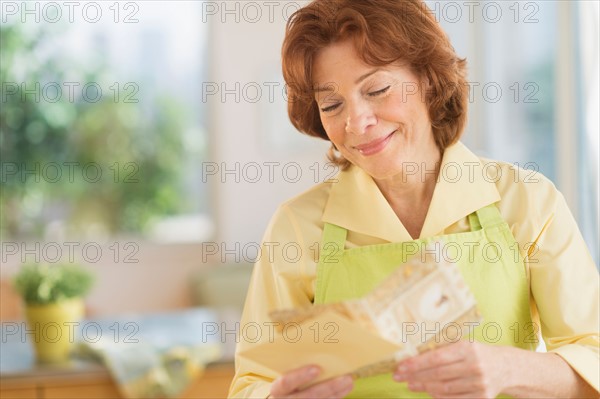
(382, 172)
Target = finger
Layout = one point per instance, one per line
(441, 373)
(467, 395)
(455, 387)
(470, 395)
(291, 381)
(437, 357)
(342, 393)
(334, 388)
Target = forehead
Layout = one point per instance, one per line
(337, 58)
(340, 64)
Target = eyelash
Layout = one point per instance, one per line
(330, 108)
(378, 92)
(372, 94)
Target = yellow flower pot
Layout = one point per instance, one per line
(53, 328)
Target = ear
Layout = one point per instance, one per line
(426, 83)
(425, 80)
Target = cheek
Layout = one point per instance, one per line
(334, 131)
(410, 111)
(395, 111)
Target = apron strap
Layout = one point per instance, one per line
(488, 217)
(334, 240)
(474, 222)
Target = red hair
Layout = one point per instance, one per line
(384, 32)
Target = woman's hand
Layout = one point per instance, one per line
(460, 370)
(288, 385)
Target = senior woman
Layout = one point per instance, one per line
(380, 80)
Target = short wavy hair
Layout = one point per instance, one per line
(384, 32)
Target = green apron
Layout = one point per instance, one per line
(488, 258)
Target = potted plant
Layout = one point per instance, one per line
(53, 304)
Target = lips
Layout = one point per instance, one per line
(374, 146)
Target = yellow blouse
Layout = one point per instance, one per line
(563, 278)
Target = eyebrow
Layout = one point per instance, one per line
(357, 81)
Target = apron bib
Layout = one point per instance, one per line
(489, 260)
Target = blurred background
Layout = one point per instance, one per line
(149, 140)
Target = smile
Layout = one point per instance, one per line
(375, 146)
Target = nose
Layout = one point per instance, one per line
(360, 116)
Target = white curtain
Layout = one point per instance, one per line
(589, 65)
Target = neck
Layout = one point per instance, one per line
(410, 192)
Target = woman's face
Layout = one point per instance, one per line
(375, 116)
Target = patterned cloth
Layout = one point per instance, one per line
(157, 356)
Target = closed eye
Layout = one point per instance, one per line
(330, 108)
(378, 92)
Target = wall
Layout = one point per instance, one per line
(249, 53)
(246, 131)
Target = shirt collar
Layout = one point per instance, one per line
(356, 203)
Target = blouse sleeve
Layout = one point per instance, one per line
(564, 286)
(278, 281)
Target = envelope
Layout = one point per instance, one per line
(333, 342)
(423, 304)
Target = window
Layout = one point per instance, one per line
(532, 67)
(102, 123)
